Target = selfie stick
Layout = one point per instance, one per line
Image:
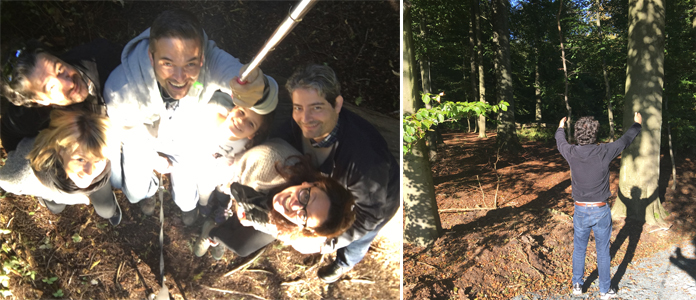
(293, 18)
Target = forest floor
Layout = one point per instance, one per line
(525, 244)
(78, 255)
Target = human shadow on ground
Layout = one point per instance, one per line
(686, 264)
(631, 231)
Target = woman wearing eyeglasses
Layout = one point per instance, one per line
(278, 195)
(65, 164)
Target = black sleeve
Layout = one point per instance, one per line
(624, 141)
(19, 122)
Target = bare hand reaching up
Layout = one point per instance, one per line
(638, 118)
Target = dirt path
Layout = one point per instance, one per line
(666, 275)
(525, 244)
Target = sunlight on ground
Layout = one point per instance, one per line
(391, 238)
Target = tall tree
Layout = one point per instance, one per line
(507, 135)
(426, 83)
(565, 73)
(473, 70)
(479, 63)
(421, 220)
(605, 71)
(640, 162)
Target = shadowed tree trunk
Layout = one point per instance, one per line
(537, 89)
(640, 162)
(473, 70)
(421, 220)
(507, 133)
(479, 62)
(605, 72)
(431, 136)
(569, 122)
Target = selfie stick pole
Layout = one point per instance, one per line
(290, 22)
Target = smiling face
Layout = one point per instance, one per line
(82, 167)
(55, 82)
(177, 63)
(289, 203)
(315, 116)
(239, 123)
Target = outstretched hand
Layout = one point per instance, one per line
(638, 118)
(562, 123)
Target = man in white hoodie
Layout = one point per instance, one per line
(167, 75)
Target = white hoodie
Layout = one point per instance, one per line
(133, 97)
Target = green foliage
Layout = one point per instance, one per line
(416, 125)
(536, 134)
(58, 293)
(46, 244)
(76, 238)
(50, 280)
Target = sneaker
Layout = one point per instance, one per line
(116, 218)
(189, 217)
(147, 206)
(577, 289)
(217, 251)
(608, 295)
(205, 210)
(203, 242)
(41, 201)
(332, 272)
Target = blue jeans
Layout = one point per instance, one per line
(597, 219)
(352, 254)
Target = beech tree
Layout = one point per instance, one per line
(507, 135)
(640, 162)
(421, 219)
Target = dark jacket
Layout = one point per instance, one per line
(95, 60)
(360, 161)
(589, 164)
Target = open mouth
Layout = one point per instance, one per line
(310, 126)
(177, 86)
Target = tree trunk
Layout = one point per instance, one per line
(507, 133)
(537, 89)
(671, 150)
(569, 126)
(473, 70)
(479, 63)
(605, 72)
(431, 136)
(421, 220)
(607, 95)
(640, 162)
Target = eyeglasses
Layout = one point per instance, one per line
(10, 65)
(303, 197)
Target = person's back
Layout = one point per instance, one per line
(589, 169)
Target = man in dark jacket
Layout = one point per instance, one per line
(34, 82)
(589, 172)
(345, 147)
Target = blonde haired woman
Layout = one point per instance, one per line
(66, 164)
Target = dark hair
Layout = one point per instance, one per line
(341, 214)
(586, 130)
(176, 23)
(15, 85)
(264, 130)
(316, 77)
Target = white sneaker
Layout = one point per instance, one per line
(608, 295)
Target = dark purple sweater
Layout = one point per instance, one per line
(589, 164)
